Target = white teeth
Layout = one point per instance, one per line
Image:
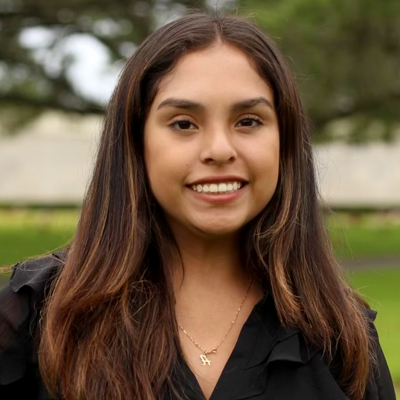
(213, 188)
(222, 187)
(218, 188)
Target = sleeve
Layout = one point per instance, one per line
(20, 304)
(14, 338)
(380, 386)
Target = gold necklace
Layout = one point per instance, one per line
(203, 357)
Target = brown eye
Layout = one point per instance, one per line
(182, 124)
(250, 122)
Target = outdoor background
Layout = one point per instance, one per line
(59, 61)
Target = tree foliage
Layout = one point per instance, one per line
(38, 78)
(346, 55)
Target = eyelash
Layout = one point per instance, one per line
(248, 117)
(252, 118)
(173, 124)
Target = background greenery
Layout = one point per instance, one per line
(344, 53)
(371, 237)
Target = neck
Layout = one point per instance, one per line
(208, 262)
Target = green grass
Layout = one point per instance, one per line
(381, 289)
(365, 236)
(25, 233)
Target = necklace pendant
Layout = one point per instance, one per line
(204, 360)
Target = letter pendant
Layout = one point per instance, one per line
(204, 359)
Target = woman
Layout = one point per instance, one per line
(200, 267)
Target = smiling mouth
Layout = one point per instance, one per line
(218, 188)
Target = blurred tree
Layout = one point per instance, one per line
(36, 74)
(346, 54)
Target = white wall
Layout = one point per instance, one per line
(359, 175)
(49, 161)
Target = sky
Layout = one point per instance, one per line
(90, 69)
(89, 66)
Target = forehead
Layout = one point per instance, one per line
(219, 71)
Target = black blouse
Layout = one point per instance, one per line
(267, 363)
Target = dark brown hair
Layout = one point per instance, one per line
(109, 327)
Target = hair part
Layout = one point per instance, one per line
(113, 302)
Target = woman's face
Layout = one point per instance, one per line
(211, 142)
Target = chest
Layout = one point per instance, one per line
(258, 363)
(207, 368)
(281, 379)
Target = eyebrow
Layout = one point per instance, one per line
(191, 105)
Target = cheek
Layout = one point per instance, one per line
(265, 167)
(166, 168)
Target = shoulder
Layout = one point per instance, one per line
(20, 305)
(36, 274)
(380, 385)
(299, 369)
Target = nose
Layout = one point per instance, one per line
(218, 147)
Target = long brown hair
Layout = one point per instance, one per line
(109, 328)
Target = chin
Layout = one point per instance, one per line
(218, 230)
